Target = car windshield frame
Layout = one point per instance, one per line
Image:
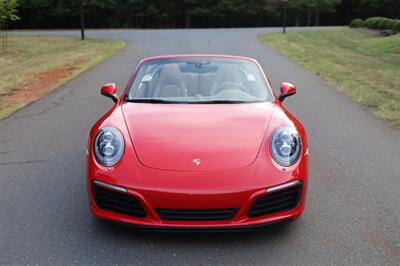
(198, 62)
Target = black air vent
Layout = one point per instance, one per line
(285, 199)
(197, 214)
(107, 199)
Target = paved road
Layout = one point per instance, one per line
(353, 212)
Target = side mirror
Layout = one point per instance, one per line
(287, 89)
(110, 91)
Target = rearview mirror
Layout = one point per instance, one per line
(110, 91)
(287, 89)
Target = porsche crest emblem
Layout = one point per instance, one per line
(196, 162)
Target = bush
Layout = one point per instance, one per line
(369, 21)
(381, 23)
(377, 23)
(390, 24)
(385, 24)
(357, 23)
(396, 25)
(373, 22)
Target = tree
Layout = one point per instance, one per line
(8, 14)
(371, 8)
(197, 13)
(309, 7)
(324, 5)
(82, 19)
(302, 8)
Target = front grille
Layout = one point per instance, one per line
(285, 199)
(107, 199)
(197, 214)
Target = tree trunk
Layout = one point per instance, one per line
(317, 11)
(309, 14)
(2, 37)
(284, 17)
(5, 31)
(187, 19)
(82, 11)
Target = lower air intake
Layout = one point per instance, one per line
(284, 199)
(197, 214)
(107, 199)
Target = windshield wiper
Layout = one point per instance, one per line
(223, 101)
(150, 101)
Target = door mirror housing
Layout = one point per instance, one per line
(287, 89)
(110, 91)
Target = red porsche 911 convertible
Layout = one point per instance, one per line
(197, 142)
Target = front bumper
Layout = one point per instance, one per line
(242, 200)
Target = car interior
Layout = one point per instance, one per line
(198, 80)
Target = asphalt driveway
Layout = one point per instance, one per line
(353, 212)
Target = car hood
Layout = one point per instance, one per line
(197, 137)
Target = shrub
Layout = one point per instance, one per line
(377, 23)
(389, 25)
(385, 24)
(373, 22)
(396, 25)
(368, 22)
(357, 23)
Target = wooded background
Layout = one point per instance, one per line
(197, 13)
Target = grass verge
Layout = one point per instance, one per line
(34, 65)
(358, 62)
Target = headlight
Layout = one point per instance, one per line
(285, 145)
(108, 146)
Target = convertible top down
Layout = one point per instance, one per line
(197, 141)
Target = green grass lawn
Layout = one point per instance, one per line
(358, 62)
(34, 65)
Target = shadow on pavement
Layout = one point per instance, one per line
(127, 232)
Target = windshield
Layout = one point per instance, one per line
(198, 80)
